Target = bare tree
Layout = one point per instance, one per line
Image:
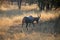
(19, 3)
(57, 26)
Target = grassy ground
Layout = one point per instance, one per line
(10, 25)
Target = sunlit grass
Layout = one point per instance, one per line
(33, 36)
(6, 21)
(29, 7)
(49, 16)
(5, 7)
(15, 7)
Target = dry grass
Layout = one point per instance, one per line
(24, 36)
(10, 28)
(14, 7)
(6, 21)
(31, 7)
(49, 16)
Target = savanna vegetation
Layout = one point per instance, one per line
(13, 11)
